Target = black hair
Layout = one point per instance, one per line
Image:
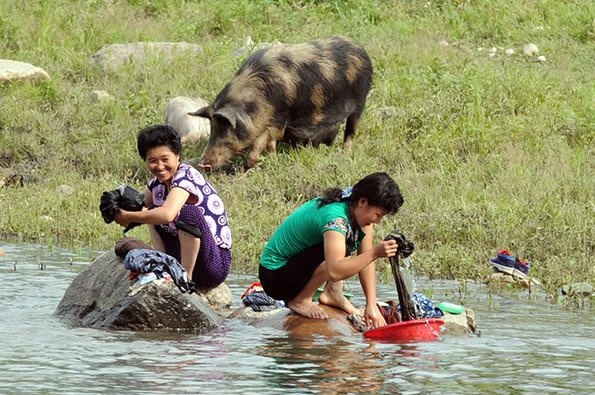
(378, 188)
(158, 136)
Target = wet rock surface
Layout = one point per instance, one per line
(101, 297)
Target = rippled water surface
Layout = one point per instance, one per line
(526, 346)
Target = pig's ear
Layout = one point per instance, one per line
(205, 112)
(228, 114)
(238, 120)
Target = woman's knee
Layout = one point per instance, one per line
(191, 215)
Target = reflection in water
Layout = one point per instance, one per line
(347, 365)
(527, 346)
(319, 365)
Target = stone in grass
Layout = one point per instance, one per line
(530, 50)
(12, 70)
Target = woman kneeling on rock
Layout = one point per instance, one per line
(187, 217)
(314, 244)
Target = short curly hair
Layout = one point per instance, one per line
(158, 136)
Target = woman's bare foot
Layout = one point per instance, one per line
(333, 296)
(307, 308)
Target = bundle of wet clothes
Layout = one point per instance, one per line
(424, 308)
(391, 311)
(123, 197)
(142, 260)
(258, 300)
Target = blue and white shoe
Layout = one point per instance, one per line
(521, 268)
(504, 262)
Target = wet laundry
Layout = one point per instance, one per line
(144, 261)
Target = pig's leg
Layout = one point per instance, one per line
(272, 145)
(263, 141)
(330, 136)
(350, 127)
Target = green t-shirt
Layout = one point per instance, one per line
(305, 227)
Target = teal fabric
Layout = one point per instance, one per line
(305, 228)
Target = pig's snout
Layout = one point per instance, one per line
(205, 166)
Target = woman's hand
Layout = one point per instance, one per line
(122, 218)
(385, 249)
(125, 218)
(373, 317)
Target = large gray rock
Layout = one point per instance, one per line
(12, 70)
(101, 297)
(111, 57)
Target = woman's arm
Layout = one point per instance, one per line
(340, 267)
(367, 279)
(176, 198)
(367, 276)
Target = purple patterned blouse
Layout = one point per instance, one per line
(208, 201)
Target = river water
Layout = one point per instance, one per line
(527, 346)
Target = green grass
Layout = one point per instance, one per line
(490, 151)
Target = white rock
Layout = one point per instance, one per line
(190, 128)
(11, 70)
(65, 190)
(541, 58)
(99, 96)
(510, 51)
(443, 43)
(530, 49)
(111, 57)
(218, 297)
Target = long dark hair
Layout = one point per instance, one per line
(158, 136)
(378, 188)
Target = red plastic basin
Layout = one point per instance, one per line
(407, 331)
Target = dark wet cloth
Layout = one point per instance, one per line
(260, 301)
(125, 198)
(145, 261)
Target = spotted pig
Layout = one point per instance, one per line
(297, 93)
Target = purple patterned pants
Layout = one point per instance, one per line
(212, 263)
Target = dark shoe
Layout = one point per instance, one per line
(521, 268)
(504, 262)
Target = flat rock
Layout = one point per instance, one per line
(12, 70)
(113, 56)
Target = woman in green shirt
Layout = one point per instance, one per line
(314, 244)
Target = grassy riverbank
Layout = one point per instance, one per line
(492, 150)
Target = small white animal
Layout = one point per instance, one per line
(191, 129)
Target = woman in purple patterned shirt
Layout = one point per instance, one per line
(186, 216)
